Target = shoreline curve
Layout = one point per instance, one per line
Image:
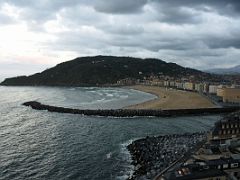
(168, 99)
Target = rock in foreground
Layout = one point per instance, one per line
(152, 155)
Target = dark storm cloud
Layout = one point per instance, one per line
(190, 32)
(125, 29)
(119, 6)
(218, 4)
(179, 16)
(173, 11)
(41, 11)
(221, 43)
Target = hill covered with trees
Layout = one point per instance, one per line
(103, 70)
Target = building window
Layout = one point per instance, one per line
(225, 166)
(234, 165)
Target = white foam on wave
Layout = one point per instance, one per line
(123, 96)
(99, 93)
(89, 88)
(109, 95)
(109, 155)
(110, 90)
(92, 91)
(126, 157)
(101, 100)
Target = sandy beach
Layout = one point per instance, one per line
(171, 99)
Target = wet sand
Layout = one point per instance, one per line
(171, 99)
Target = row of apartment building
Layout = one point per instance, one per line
(228, 94)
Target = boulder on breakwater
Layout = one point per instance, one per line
(98, 112)
(151, 155)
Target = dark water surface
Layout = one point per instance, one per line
(43, 145)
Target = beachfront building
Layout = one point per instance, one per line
(205, 88)
(199, 87)
(126, 81)
(146, 82)
(179, 85)
(231, 95)
(220, 90)
(189, 86)
(213, 89)
(225, 129)
(172, 84)
(166, 83)
(157, 82)
(223, 142)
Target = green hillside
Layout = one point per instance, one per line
(101, 70)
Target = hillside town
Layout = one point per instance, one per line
(222, 93)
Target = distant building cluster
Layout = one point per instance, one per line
(225, 93)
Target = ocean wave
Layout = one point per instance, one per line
(109, 95)
(123, 96)
(109, 155)
(88, 88)
(101, 100)
(126, 157)
(92, 91)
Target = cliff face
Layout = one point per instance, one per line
(100, 70)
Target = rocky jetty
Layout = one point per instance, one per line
(151, 155)
(98, 112)
(131, 112)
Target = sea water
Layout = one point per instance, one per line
(44, 145)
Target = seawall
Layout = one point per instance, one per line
(132, 112)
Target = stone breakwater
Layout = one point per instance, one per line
(131, 112)
(151, 155)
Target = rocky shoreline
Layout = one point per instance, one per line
(131, 112)
(151, 155)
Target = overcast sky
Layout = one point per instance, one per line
(35, 35)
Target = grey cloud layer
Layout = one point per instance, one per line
(119, 6)
(195, 33)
